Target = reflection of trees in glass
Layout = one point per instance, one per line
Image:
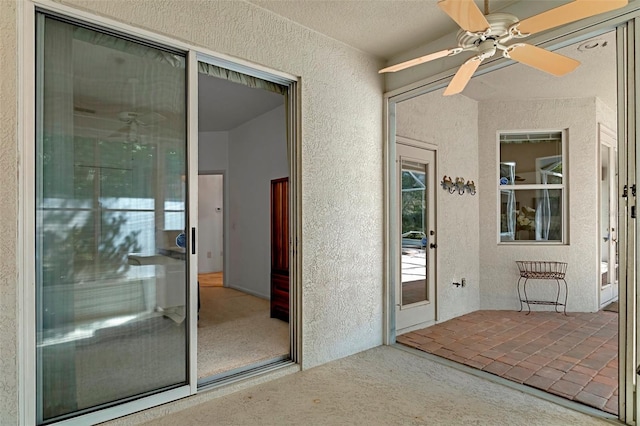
(413, 201)
(73, 253)
(72, 245)
(81, 239)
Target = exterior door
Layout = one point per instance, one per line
(608, 218)
(416, 280)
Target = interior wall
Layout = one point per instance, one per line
(499, 277)
(213, 151)
(210, 223)
(257, 154)
(451, 123)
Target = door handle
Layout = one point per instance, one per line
(433, 245)
(193, 240)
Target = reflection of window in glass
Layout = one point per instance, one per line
(532, 186)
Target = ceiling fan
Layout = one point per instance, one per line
(135, 119)
(489, 34)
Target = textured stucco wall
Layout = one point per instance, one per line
(499, 272)
(607, 115)
(341, 101)
(8, 214)
(451, 123)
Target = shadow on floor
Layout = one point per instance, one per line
(574, 357)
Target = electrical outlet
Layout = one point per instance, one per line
(464, 282)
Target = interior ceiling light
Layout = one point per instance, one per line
(486, 35)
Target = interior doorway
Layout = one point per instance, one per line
(211, 230)
(242, 146)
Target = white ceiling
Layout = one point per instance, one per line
(387, 28)
(383, 28)
(595, 77)
(224, 105)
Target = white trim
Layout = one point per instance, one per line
(192, 199)
(26, 356)
(388, 319)
(417, 143)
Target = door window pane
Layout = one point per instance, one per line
(414, 239)
(111, 283)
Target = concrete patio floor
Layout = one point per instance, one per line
(574, 356)
(381, 386)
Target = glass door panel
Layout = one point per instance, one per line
(110, 279)
(414, 236)
(415, 289)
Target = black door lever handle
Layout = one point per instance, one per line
(433, 245)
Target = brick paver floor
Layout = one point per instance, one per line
(574, 356)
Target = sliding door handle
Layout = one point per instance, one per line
(193, 240)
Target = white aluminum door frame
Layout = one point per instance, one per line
(421, 314)
(26, 12)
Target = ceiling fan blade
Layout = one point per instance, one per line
(544, 60)
(570, 12)
(462, 77)
(420, 60)
(466, 13)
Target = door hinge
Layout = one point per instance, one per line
(625, 191)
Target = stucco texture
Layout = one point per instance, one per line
(8, 213)
(341, 101)
(450, 123)
(499, 272)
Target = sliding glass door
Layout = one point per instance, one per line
(111, 265)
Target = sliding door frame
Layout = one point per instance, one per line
(26, 344)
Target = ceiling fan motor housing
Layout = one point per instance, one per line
(499, 29)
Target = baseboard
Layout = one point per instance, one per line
(251, 292)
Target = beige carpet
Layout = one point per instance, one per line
(211, 279)
(235, 330)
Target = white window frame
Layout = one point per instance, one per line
(564, 187)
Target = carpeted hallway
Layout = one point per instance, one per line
(235, 330)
